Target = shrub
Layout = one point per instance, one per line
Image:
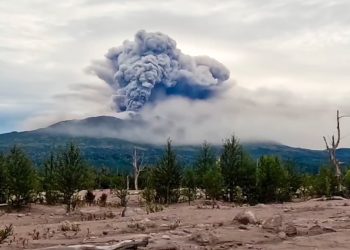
(89, 197)
(149, 195)
(122, 194)
(103, 200)
(5, 233)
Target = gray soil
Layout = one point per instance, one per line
(309, 224)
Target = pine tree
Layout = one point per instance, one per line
(167, 176)
(3, 179)
(71, 172)
(49, 180)
(271, 180)
(213, 183)
(21, 177)
(238, 170)
(189, 183)
(230, 162)
(206, 160)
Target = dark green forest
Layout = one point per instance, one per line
(232, 175)
(116, 154)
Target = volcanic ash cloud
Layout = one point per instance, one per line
(151, 68)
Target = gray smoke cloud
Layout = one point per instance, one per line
(151, 68)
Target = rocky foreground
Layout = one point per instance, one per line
(313, 224)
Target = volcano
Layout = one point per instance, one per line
(102, 142)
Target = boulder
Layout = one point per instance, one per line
(65, 226)
(291, 230)
(148, 223)
(204, 238)
(317, 229)
(273, 223)
(246, 217)
(282, 235)
(260, 205)
(166, 237)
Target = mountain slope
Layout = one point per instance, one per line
(101, 148)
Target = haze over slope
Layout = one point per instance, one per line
(103, 149)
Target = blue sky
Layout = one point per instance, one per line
(289, 62)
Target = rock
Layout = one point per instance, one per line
(260, 205)
(317, 229)
(108, 226)
(249, 246)
(178, 233)
(65, 226)
(75, 227)
(128, 212)
(204, 238)
(245, 218)
(136, 225)
(243, 227)
(165, 237)
(282, 235)
(328, 230)
(68, 226)
(148, 223)
(104, 232)
(291, 230)
(139, 211)
(273, 223)
(20, 215)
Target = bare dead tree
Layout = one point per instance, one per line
(333, 146)
(138, 167)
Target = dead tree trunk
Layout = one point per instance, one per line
(127, 182)
(138, 167)
(332, 149)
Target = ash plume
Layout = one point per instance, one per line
(151, 68)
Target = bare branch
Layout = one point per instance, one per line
(338, 130)
(325, 140)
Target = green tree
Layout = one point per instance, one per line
(294, 177)
(271, 180)
(3, 179)
(71, 173)
(167, 176)
(103, 178)
(346, 182)
(213, 181)
(238, 170)
(307, 186)
(49, 180)
(326, 182)
(247, 179)
(21, 177)
(205, 161)
(189, 183)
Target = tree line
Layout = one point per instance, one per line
(233, 177)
